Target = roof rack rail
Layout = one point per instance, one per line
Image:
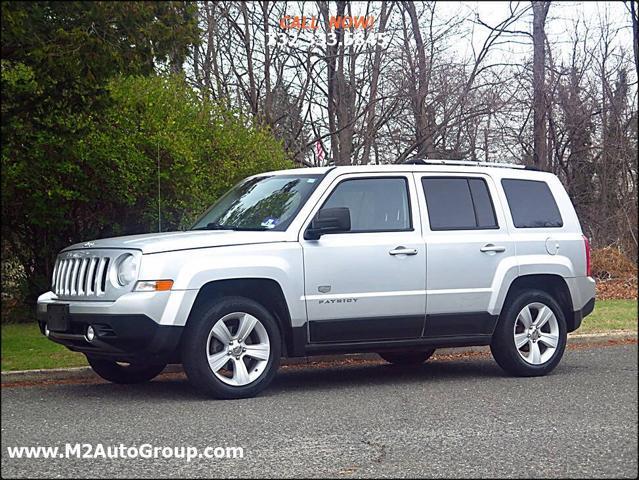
(467, 163)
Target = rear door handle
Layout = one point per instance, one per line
(403, 251)
(492, 248)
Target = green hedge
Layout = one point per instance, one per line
(103, 182)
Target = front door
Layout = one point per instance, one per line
(368, 284)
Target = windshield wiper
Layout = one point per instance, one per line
(214, 226)
(217, 226)
(249, 229)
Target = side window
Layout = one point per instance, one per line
(531, 204)
(457, 203)
(376, 204)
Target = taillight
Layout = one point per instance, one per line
(587, 246)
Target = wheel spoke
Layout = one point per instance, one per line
(549, 339)
(535, 353)
(218, 360)
(221, 332)
(260, 351)
(526, 317)
(543, 316)
(521, 339)
(247, 323)
(240, 373)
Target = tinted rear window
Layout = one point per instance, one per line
(458, 203)
(531, 204)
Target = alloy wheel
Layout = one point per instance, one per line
(238, 349)
(536, 333)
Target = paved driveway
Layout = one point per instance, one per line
(451, 417)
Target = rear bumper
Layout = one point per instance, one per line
(582, 291)
(584, 312)
(130, 338)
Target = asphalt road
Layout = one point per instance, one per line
(452, 417)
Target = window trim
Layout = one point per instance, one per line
(385, 177)
(552, 195)
(472, 199)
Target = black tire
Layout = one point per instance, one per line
(124, 374)
(407, 358)
(503, 345)
(194, 348)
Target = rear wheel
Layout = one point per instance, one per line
(530, 337)
(233, 349)
(407, 358)
(130, 373)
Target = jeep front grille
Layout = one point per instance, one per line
(81, 276)
(89, 274)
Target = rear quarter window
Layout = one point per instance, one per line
(531, 204)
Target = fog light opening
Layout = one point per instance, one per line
(90, 333)
(46, 330)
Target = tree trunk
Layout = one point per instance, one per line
(540, 10)
(372, 98)
(268, 95)
(424, 116)
(634, 13)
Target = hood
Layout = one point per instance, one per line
(168, 241)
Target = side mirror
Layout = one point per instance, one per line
(329, 220)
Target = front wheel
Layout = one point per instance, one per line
(530, 337)
(125, 373)
(407, 358)
(232, 348)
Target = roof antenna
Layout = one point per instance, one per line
(159, 198)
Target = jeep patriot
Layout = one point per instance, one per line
(393, 259)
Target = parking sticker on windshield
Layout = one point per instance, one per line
(270, 222)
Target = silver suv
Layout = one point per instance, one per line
(397, 259)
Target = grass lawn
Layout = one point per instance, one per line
(24, 348)
(611, 315)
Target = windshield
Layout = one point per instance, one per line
(259, 203)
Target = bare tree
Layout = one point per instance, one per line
(567, 104)
(634, 16)
(540, 11)
(371, 126)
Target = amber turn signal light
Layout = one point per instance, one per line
(153, 285)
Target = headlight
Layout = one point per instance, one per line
(127, 269)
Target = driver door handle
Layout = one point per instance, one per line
(403, 251)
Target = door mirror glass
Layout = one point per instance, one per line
(329, 220)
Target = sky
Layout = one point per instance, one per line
(559, 24)
(560, 21)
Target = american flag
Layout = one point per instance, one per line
(319, 151)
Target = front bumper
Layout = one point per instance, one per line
(137, 327)
(165, 308)
(126, 338)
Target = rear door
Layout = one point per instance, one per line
(467, 242)
(369, 283)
